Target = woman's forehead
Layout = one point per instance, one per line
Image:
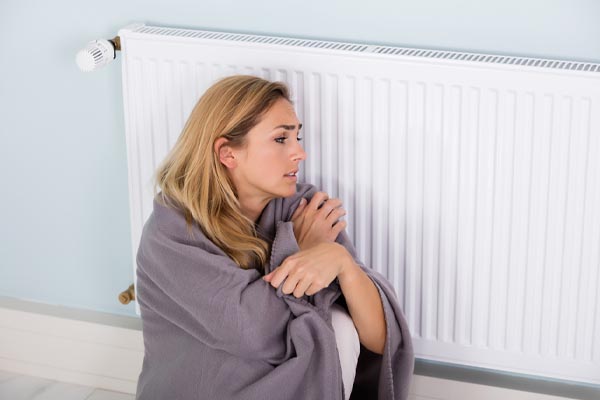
(281, 113)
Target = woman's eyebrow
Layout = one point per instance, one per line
(288, 127)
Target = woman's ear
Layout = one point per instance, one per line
(225, 153)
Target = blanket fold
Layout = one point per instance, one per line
(215, 331)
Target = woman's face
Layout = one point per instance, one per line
(272, 151)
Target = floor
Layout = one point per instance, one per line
(23, 387)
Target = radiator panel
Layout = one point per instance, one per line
(473, 186)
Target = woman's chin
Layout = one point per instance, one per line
(289, 191)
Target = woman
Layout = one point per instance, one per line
(318, 325)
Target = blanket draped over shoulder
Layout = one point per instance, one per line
(213, 330)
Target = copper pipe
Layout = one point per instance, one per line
(116, 41)
(128, 295)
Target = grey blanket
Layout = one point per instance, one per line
(215, 331)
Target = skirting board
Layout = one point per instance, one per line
(68, 345)
(106, 351)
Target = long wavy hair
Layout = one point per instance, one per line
(193, 177)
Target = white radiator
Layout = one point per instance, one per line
(471, 181)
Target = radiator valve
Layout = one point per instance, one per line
(98, 53)
(128, 295)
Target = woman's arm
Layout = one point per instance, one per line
(364, 304)
(211, 297)
(309, 271)
(362, 297)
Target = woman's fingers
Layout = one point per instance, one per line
(268, 276)
(313, 288)
(290, 283)
(317, 200)
(282, 272)
(301, 287)
(328, 207)
(309, 271)
(328, 204)
(331, 212)
(299, 209)
(336, 214)
(293, 277)
(337, 228)
(315, 219)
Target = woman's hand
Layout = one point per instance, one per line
(309, 271)
(317, 222)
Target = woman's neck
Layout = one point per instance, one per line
(253, 207)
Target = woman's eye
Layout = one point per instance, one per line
(283, 138)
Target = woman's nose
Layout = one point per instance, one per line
(299, 153)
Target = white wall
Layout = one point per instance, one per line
(64, 218)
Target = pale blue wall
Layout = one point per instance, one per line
(64, 217)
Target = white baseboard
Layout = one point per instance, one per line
(70, 350)
(105, 351)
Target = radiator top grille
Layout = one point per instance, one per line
(363, 48)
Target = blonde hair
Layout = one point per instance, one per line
(193, 176)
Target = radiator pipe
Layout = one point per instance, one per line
(128, 295)
(116, 41)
